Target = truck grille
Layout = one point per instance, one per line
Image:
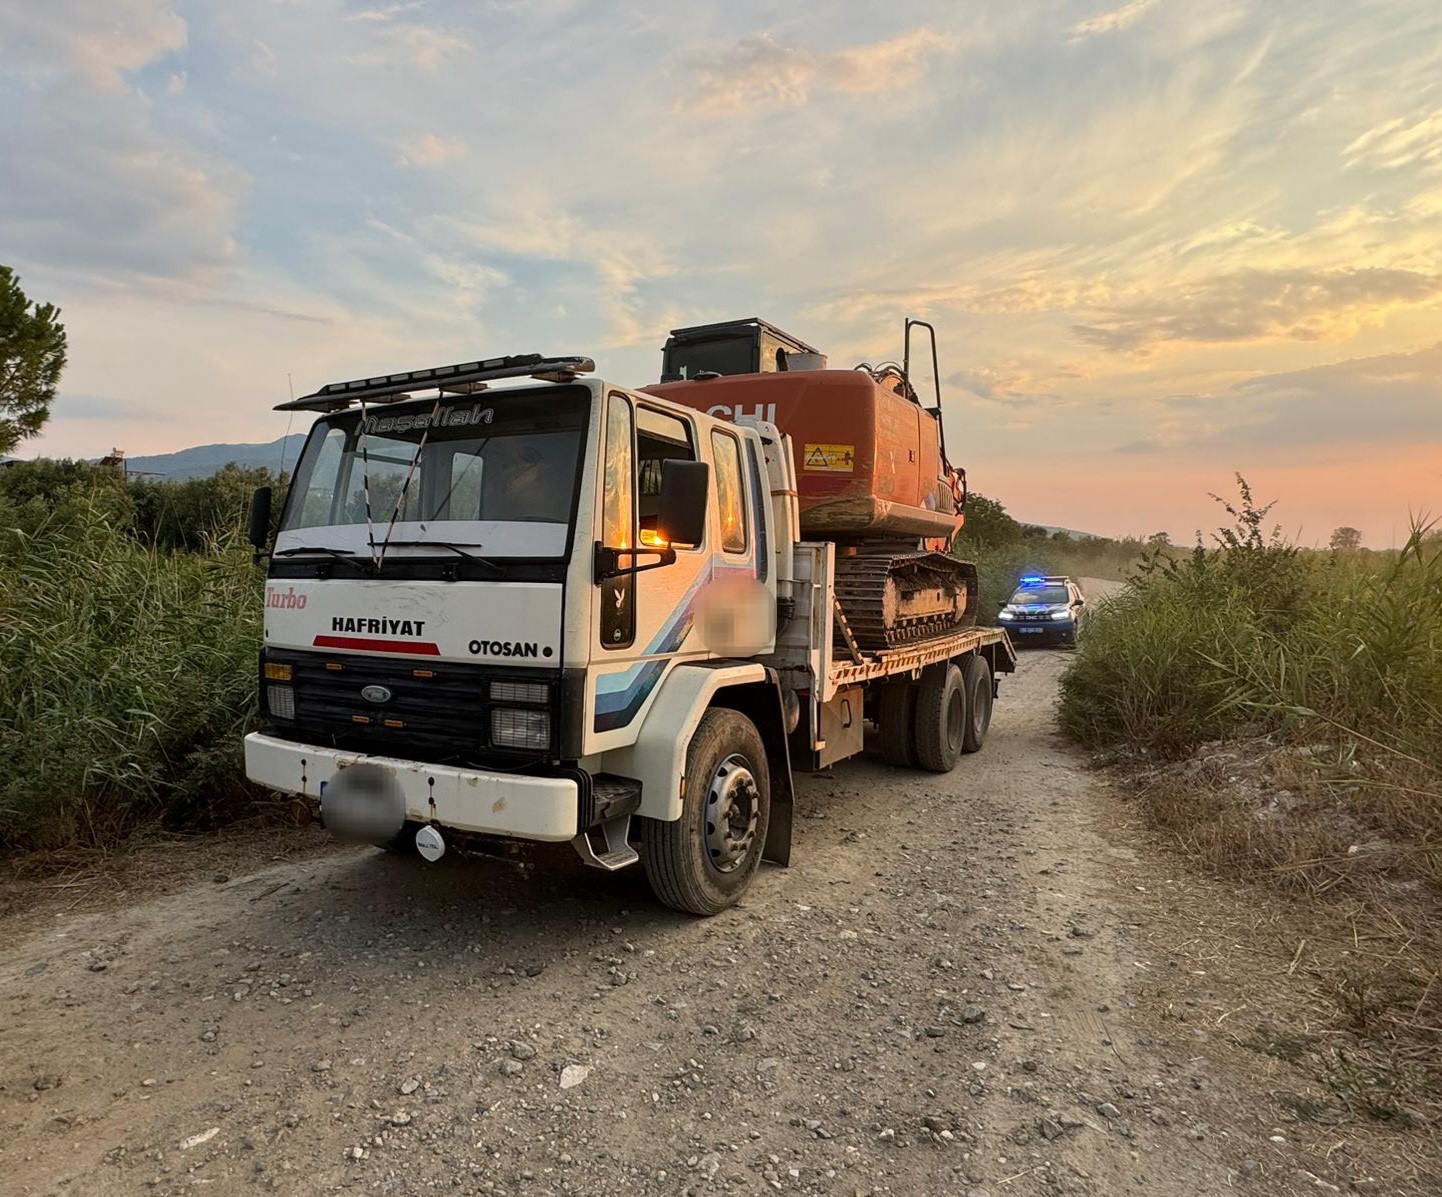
(437, 711)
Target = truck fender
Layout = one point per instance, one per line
(658, 757)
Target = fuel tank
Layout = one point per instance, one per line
(868, 460)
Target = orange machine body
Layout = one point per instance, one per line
(868, 460)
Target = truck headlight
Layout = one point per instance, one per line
(1006, 615)
(280, 701)
(1063, 614)
(513, 728)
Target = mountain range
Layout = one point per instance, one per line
(204, 460)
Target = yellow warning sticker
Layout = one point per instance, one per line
(833, 459)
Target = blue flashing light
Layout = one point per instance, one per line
(1032, 581)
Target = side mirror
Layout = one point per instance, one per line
(259, 533)
(681, 506)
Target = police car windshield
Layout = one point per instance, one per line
(1027, 595)
(488, 465)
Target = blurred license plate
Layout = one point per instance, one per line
(1031, 629)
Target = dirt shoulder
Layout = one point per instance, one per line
(967, 984)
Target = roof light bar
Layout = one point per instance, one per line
(462, 378)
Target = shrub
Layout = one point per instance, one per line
(127, 675)
(1253, 635)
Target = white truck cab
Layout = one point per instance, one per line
(548, 610)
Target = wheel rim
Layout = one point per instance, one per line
(733, 808)
(955, 717)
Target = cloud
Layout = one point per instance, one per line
(91, 185)
(388, 13)
(100, 45)
(431, 150)
(1111, 21)
(1006, 388)
(1387, 399)
(72, 406)
(1399, 142)
(424, 46)
(1297, 304)
(760, 72)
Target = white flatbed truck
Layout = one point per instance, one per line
(557, 609)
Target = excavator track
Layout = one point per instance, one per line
(898, 599)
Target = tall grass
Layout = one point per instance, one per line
(1282, 709)
(1258, 636)
(1337, 654)
(127, 675)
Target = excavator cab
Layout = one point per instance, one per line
(752, 346)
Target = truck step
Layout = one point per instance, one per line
(611, 797)
(607, 847)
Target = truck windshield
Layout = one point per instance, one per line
(497, 473)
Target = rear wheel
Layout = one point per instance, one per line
(941, 719)
(897, 718)
(977, 678)
(703, 862)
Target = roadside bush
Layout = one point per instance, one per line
(127, 675)
(1327, 663)
(190, 515)
(184, 516)
(1254, 635)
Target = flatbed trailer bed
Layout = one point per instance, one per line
(910, 660)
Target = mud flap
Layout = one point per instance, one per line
(778, 831)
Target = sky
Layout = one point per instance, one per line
(1162, 241)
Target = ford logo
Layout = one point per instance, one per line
(376, 694)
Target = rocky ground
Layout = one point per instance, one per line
(984, 983)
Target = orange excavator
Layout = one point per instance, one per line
(871, 468)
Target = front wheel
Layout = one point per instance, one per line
(704, 861)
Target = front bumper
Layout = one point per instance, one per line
(1038, 632)
(505, 804)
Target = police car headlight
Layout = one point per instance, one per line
(280, 701)
(512, 728)
(1006, 615)
(1062, 614)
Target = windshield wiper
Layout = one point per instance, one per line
(463, 550)
(349, 558)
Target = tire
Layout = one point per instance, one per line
(897, 719)
(941, 719)
(690, 862)
(977, 678)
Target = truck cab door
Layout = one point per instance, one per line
(645, 619)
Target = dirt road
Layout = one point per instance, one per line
(948, 993)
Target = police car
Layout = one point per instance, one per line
(1044, 610)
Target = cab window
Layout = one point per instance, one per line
(730, 498)
(660, 438)
(618, 523)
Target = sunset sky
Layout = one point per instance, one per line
(1163, 241)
